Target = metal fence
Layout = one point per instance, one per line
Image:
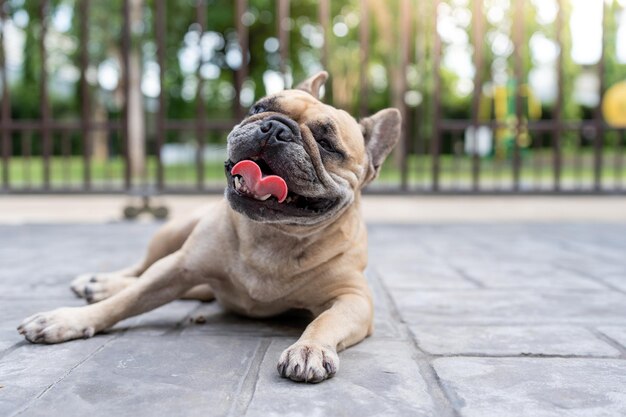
(40, 155)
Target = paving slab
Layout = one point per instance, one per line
(524, 275)
(616, 333)
(471, 319)
(538, 387)
(423, 275)
(617, 279)
(143, 375)
(511, 341)
(511, 307)
(376, 378)
(56, 254)
(28, 371)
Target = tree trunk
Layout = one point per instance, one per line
(99, 138)
(136, 116)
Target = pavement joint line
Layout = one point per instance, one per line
(65, 375)
(400, 333)
(43, 297)
(593, 278)
(423, 359)
(609, 340)
(468, 277)
(180, 326)
(530, 290)
(248, 385)
(574, 247)
(12, 348)
(608, 285)
(520, 356)
(542, 290)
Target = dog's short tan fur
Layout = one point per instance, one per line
(255, 267)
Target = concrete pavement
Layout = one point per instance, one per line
(472, 319)
(376, 208)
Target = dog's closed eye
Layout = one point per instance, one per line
(256, 109)
(324, 135)
(324, 143)
(265, 105)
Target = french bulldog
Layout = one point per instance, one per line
(288, 235)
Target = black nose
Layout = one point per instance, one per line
(274, 130)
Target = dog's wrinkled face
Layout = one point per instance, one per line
(322, 153)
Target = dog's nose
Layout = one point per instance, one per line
(274, 129)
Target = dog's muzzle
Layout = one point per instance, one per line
(277, 129)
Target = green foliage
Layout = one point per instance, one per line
(105, 29)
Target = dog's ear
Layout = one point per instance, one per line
(381, 133)
(312, 85)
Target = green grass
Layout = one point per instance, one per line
(536, 170)
(70, 171)
(455, 172)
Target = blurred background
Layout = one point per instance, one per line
(498, 96)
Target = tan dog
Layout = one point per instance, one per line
(257, 256)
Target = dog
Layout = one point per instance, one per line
(288, 235)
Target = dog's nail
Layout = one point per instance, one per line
(88, 332)
(329, 368)
(93, 279)
(281, 369)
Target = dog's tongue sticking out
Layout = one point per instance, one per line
(253, 183)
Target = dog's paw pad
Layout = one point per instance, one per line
(308, 362)
(55, 326)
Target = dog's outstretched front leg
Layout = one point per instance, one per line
(313, 357)
(164, 281)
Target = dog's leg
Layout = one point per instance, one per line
(202, 292)
(97, 291)
(167, 240)
(166, 280)
(313, 357)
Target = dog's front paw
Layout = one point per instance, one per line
(308, 362)
(80, 283)
(55, 326)
(94, 288)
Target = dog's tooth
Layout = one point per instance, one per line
(264, 197)
(237, 183)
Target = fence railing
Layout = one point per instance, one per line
(48, 154)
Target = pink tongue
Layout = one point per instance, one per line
(260, 186)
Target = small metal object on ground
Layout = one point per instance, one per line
(145, 201)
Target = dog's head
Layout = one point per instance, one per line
(323, 155)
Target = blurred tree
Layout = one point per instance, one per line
(200, 64)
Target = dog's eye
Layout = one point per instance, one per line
(326, 145)
(256, 110)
